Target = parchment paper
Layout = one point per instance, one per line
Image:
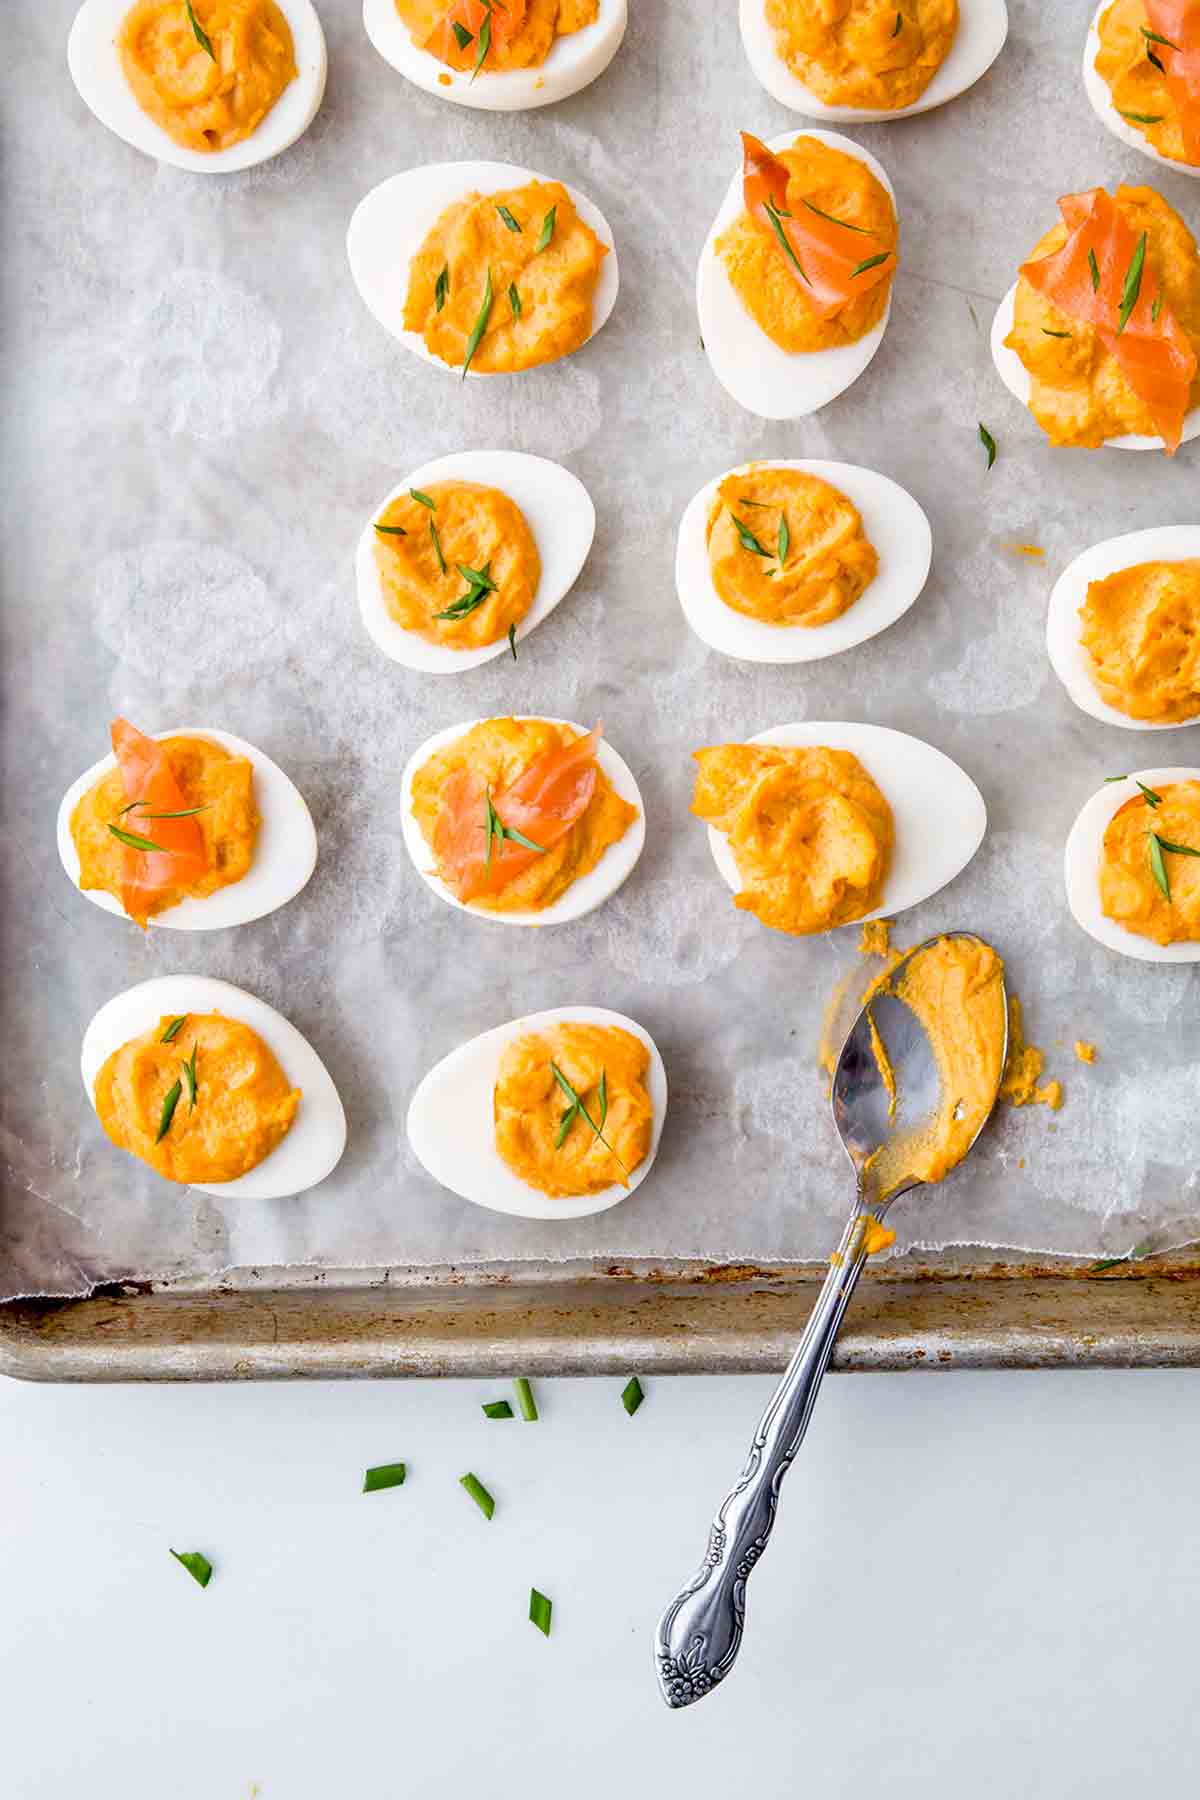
(199, 415)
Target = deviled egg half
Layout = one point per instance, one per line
(1132, 865)
(1123, 629)
(483, 268)
(213, 1089)
(791, 561)
(1140, 58)
(466, 555)
(214, 87)
(506, 58)
(875, 57)
(793, 299)
(528, 821)
(552, 1116)
(816, 825)
(190, 829)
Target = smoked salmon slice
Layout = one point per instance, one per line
(504, 18)
(180, 858)
(1178, 22)
(1101, 277)
(542, 804)
(833, 263)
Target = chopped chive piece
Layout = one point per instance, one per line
(497, 1409)
(513, 224)
(899, 25)
(988, 442)
(189, 1075)
(776, 219)
(422, 499)
(512, 641)
(384, 1475)
(632, 1395)
(1046, 332)
(477, 577)
(391, 531)
(1143, 118)
(194, 1561)
(485, 44)
(872, 262)
(1156, 309)
(748, 539)
(132, 842)
(1094, 267)
(1176, 849)
(441, 290)
(437, 544)
(184, 812)
(1148, 794)
(170, 1102)
(1158, 867)
(205, 42)
(514, 300)
(525, 1400)
(1153, 56)
(479, 1494)
(1155, 38)
(547, 231)
(462, 36)
(540, 1609)
(844, 223)
(1133, 283)
(173, 1029)
(785, 538)
(480, 325)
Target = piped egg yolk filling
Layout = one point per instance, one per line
(491, 38)
(240, 1108)
(880, 54)
(505, 281)
(209, 779)
(1141, 630)
(1150, 865)
(787, 548)
(573, 1112)
(569, 817)
(208, 86)
(810, 831)
(830, 196)
(1149, 59)
(459, 565)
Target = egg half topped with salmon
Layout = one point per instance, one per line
(529, 821)
(794, 284)
(191, 829)
(1141, 72)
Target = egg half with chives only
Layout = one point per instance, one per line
(978, 40)
(452, 1119)
(94, 61)
(574, 60)
(476, 530)
(1084, 860)
(894, 526)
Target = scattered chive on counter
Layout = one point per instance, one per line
(632, 1395)
(196, 1564)
(540, 1609)
(385, 1475)
(525, 1400)
(988, 442)
(478, 1493)
(497, 1409)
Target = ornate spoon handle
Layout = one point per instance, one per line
(701, 1631)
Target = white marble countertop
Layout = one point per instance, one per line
(980, 1585)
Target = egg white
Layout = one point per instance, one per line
(559, 512)
(583, 895)
(97, 73)
(768, 381)
(939, 814)
(1082, 861)
(1100, 95)
(574, 62)
(1015, 376)
(1068, 658)
(314, 1144)
(285, 851)
(390, 224)
(451, 1122)
(892, 520)
(978, 41)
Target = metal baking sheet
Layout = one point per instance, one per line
(199, 414)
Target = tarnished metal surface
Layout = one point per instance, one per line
(586, 1321)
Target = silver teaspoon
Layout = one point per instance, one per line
(700, 1633)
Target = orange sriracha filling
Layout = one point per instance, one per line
(1178, 21)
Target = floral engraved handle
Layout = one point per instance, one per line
(701, 1631)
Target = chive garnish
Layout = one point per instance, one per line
(1143, 118)
(1155, 38)
(462, 36)
(1094, 268)
(1158, 867)
(478, 577)
(194, 1561)
(441, 288)
(132, 842)
(748, 539)
(525, 1400)
(872, 262)
(384, 1475)
(437, 544)
(391, 531)
(485, 44)
(513, 224)
(1151, 798)
(497, 1409)
(1152, 56)
(514, 300)
(988, 442)
(512, 641)
(189, 1075)
(184, 812)
(1046, 332)
(1156, 309)
(422, 499)
(785, 538)
(170, 1102)
(1137, 1254)
(899, 25)
(577, 1110)
(1133, 283)
(173, 1029)
(632, 1395)
(1176, 849)
(205, 42)
(844, 223)
(540, 1609)
(479, 585)
(480, 325)
(478, 1493)
(547, 231)
(776, 217)
(498, 831)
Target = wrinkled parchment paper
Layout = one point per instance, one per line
(199, 415)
